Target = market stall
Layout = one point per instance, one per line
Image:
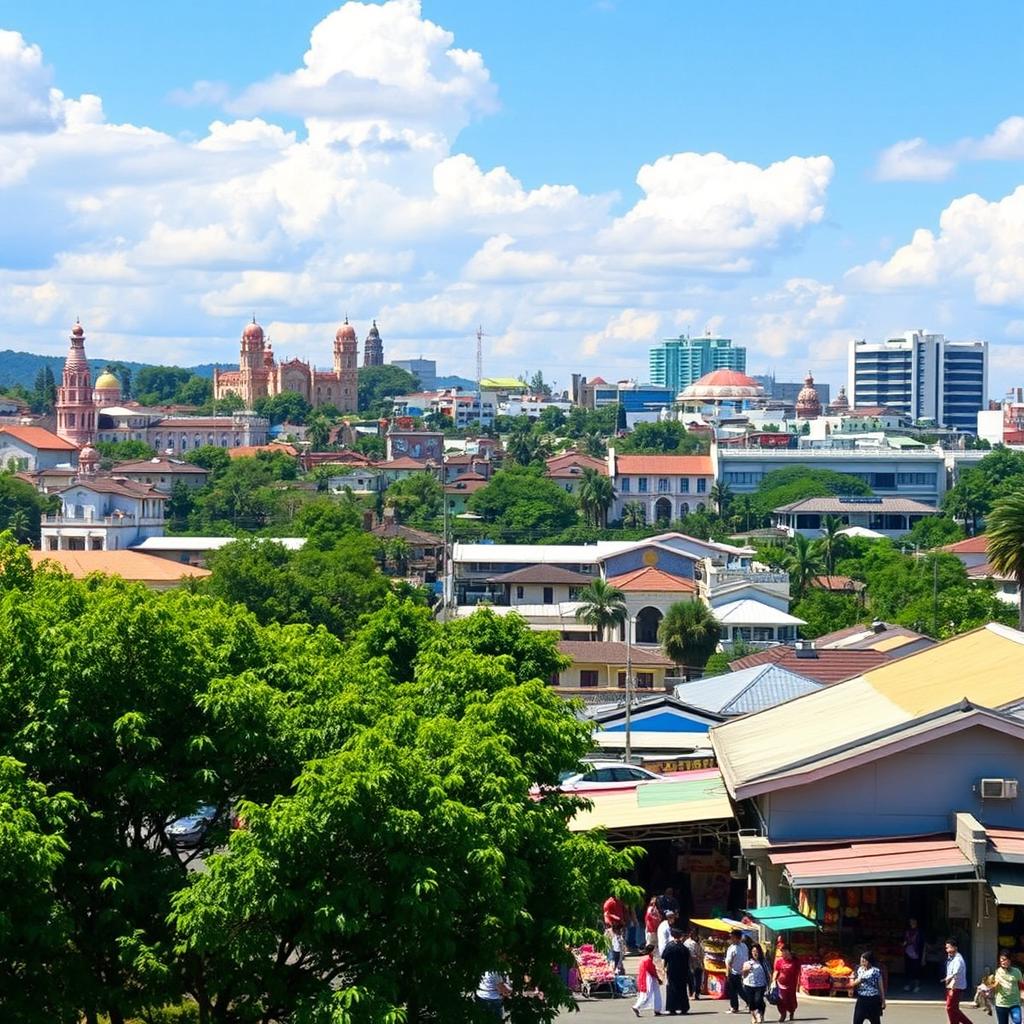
(715, 947)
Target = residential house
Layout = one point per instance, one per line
(163, 473)
(33, 449)
(197, 550)
(567, 468)
(104, 514)
(887, 638)
(899, 797)
(890, 517)
(461, 489)
(601, 665)
(666, 487)
(824, 665)
(426, 550)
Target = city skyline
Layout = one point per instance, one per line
(450, 166)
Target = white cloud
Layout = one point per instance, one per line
(980, 243)
(918, 160)
(364, 209)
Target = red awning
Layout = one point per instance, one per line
(874, 862)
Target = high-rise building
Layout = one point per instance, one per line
(677, 362)
(424, 370)
(924, 376)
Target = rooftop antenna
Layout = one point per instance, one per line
(480, 355)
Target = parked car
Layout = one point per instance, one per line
(189, 830)
(609, 775)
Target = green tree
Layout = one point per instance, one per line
(782, 486)
(933, 532)
(210, 457)
(1005, 533)
(416, 499)
(689, 634)
(825, 612)
(158, 384)
(287, 406)
(373, 446)
(520, 505)
(538, 386)
(634, 515)
(969, 500)
(595, 495)
(378, 384)
(124, 451)
(803, 563)
(593, 444)
(602, 606)
(525, 446)
(667, 436)
(22, 508)
(318, 432)
(195, 391)
(551, 419)
(180, 505)
(832, 542)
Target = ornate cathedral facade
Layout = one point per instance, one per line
(259, 375)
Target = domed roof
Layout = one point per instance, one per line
(722, 384)
(107, 380)
(841, 403)
(373, 333)
(346, 332)
(252, 332)
(78, 331)
(808, 405)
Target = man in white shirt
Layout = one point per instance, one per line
(665, 931)
(956, 982)
(736, 956)
(692, 943)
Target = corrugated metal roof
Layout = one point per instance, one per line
(982, 666)
(746, 691)
(700, 798)
(753, 613)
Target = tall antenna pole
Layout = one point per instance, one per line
(479, 356)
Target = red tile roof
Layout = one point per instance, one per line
(130, 565)
(826, 666)
(667, 465)
(652, 580)
(841, 584)
(38, 437)
(971, 546)
(250, 450)
(605, 652)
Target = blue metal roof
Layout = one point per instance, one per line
(746, 691)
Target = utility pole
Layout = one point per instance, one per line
(479, 356)
(629, 689)
(935, 596)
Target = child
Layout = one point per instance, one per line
(618, 946)
(983, 993)
(648, 984)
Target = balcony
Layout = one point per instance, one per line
(86, 521)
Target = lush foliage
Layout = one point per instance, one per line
(824, 612)
(689, 634)
(385, 791)
(603, 607)
(782, 486)
(378, 384)
(997, 475)
(416, 500)
(124, 451)
(22, 507)
(1006, 541)
(520, 505)
(288, 405)
(669, 437)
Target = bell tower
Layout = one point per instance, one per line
(76, 412)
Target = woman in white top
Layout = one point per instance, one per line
(755, 981)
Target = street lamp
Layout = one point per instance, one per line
(629, 688)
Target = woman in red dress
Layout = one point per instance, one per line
(786, 978)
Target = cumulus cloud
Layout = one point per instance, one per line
(364, 209)
(979, 243)
(918, 160)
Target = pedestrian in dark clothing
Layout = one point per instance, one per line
(676, 958)
(667, 901)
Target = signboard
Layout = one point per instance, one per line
(958, 903)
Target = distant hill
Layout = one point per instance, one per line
(22, 367)
(457, 382)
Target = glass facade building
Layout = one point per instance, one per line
(677, 362)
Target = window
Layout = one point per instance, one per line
(684, 485)
(663, 485)
(588, 677)
(702, 484)
(763, 633)
(519, 593)
(741, 633)
(645, 680)
(622, 680)
(624, 486)
(553, 680)
(641, 485)
(549, 595)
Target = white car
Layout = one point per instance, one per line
(609, 775)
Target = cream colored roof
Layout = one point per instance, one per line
(983, 666)
(700, 798)
(130, 565)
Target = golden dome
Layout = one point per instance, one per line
(107, 380)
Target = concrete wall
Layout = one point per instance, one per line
(909, 793)
(675, 564)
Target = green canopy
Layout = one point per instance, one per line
(781, 918)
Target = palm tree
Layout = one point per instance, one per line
(803, 564)
(689, 634)
(593, 444)
(1005, 533)
(744, 508)
(832, 543)
(520, 447)
(596, 494)
(720, 495)
(601, 606)
(634, 515)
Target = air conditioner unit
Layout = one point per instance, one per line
(740, 869)
(998, 789)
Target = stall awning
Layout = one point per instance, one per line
(1007, 883)
(712, 924)
(781, 918)
(874, 862)
(699, 798)
(1006, 844)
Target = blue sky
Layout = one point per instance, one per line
(849, 137)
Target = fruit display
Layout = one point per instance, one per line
(594, 967)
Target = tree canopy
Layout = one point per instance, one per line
(520, 505)
(379, 383)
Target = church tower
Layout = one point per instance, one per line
(346, 367)
(373, 348)
(76, 413)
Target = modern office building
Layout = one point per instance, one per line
(424, 370)
(678, 362)
(924, 376)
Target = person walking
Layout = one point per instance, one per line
(693, 944)
(648, 984)
(869, 988)
(755, 980)
(736, 956)
(667, 901)
(652, 918)
(665, 931)
(913, 956)
(786, 979)
(491, 992)
(676, 958)
(955, 981)
(1007, 994)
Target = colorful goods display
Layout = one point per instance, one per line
(594, 967)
